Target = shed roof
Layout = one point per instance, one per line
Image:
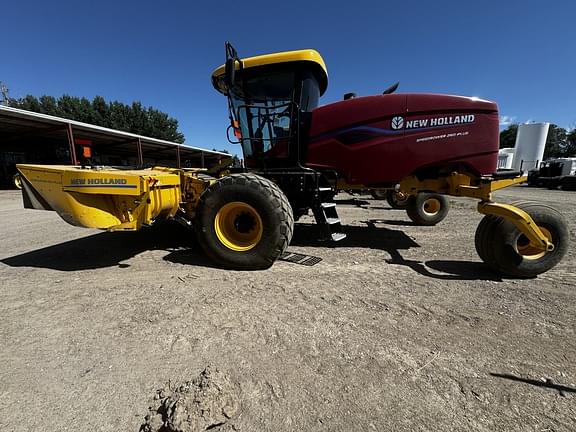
(16, 124)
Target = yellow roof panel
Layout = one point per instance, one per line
(308, 55)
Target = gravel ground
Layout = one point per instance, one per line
(398, 328)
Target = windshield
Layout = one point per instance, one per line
(263, 108)
(267, 103)
(264, 124)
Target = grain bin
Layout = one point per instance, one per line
(529, 148)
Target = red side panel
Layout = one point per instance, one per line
(382, 139)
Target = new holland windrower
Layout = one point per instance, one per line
(299, 154)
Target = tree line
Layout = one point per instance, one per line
(133, 118)
(559, 143)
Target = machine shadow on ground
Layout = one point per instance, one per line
(392, 242)
(548, 383)
(366, 237)
(358, 202)
(394, 222)
(109, 249)
(456, 270)
(372, 207)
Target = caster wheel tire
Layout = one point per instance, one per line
(427, 208)
(397, 200)
(506, 250)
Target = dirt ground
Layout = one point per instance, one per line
(398, 328)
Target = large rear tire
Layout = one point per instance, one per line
(427, 208)
(244, 222)
(506, 250)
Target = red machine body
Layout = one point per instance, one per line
(379, 140)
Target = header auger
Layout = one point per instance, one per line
(419, 147)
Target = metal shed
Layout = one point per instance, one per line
(32, 137)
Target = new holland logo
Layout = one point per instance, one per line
(397, 123)
(98, 181)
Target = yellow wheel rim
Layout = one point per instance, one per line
(432, 206)
(528, 250)
(18, 181)
(238, 226)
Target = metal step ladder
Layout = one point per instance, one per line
(327, 217)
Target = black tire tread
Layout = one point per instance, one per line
(279, 202)
(485, 226)
(493, 247)
(415, 211)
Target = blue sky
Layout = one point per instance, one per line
(521, 54)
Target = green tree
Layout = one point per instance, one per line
(133, 118)
(508, 136)
(236, 163)
(570, 149)
(85, 111)
(49, 105)
(556, 142)
(164, 126)
(100, 111)
(119, 116)
(28, 102)
(69, 107)
(138, 119)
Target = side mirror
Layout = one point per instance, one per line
(235, 127)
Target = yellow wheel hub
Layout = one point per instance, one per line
(530, 251)
(432, 206)
(238, 226)
(18, 181)
(400, 198)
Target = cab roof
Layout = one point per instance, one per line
(311, 56)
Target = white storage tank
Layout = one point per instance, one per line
(529, 148)
(505, 158)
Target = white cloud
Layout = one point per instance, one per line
(507, 120)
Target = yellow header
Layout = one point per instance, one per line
(308, 55)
